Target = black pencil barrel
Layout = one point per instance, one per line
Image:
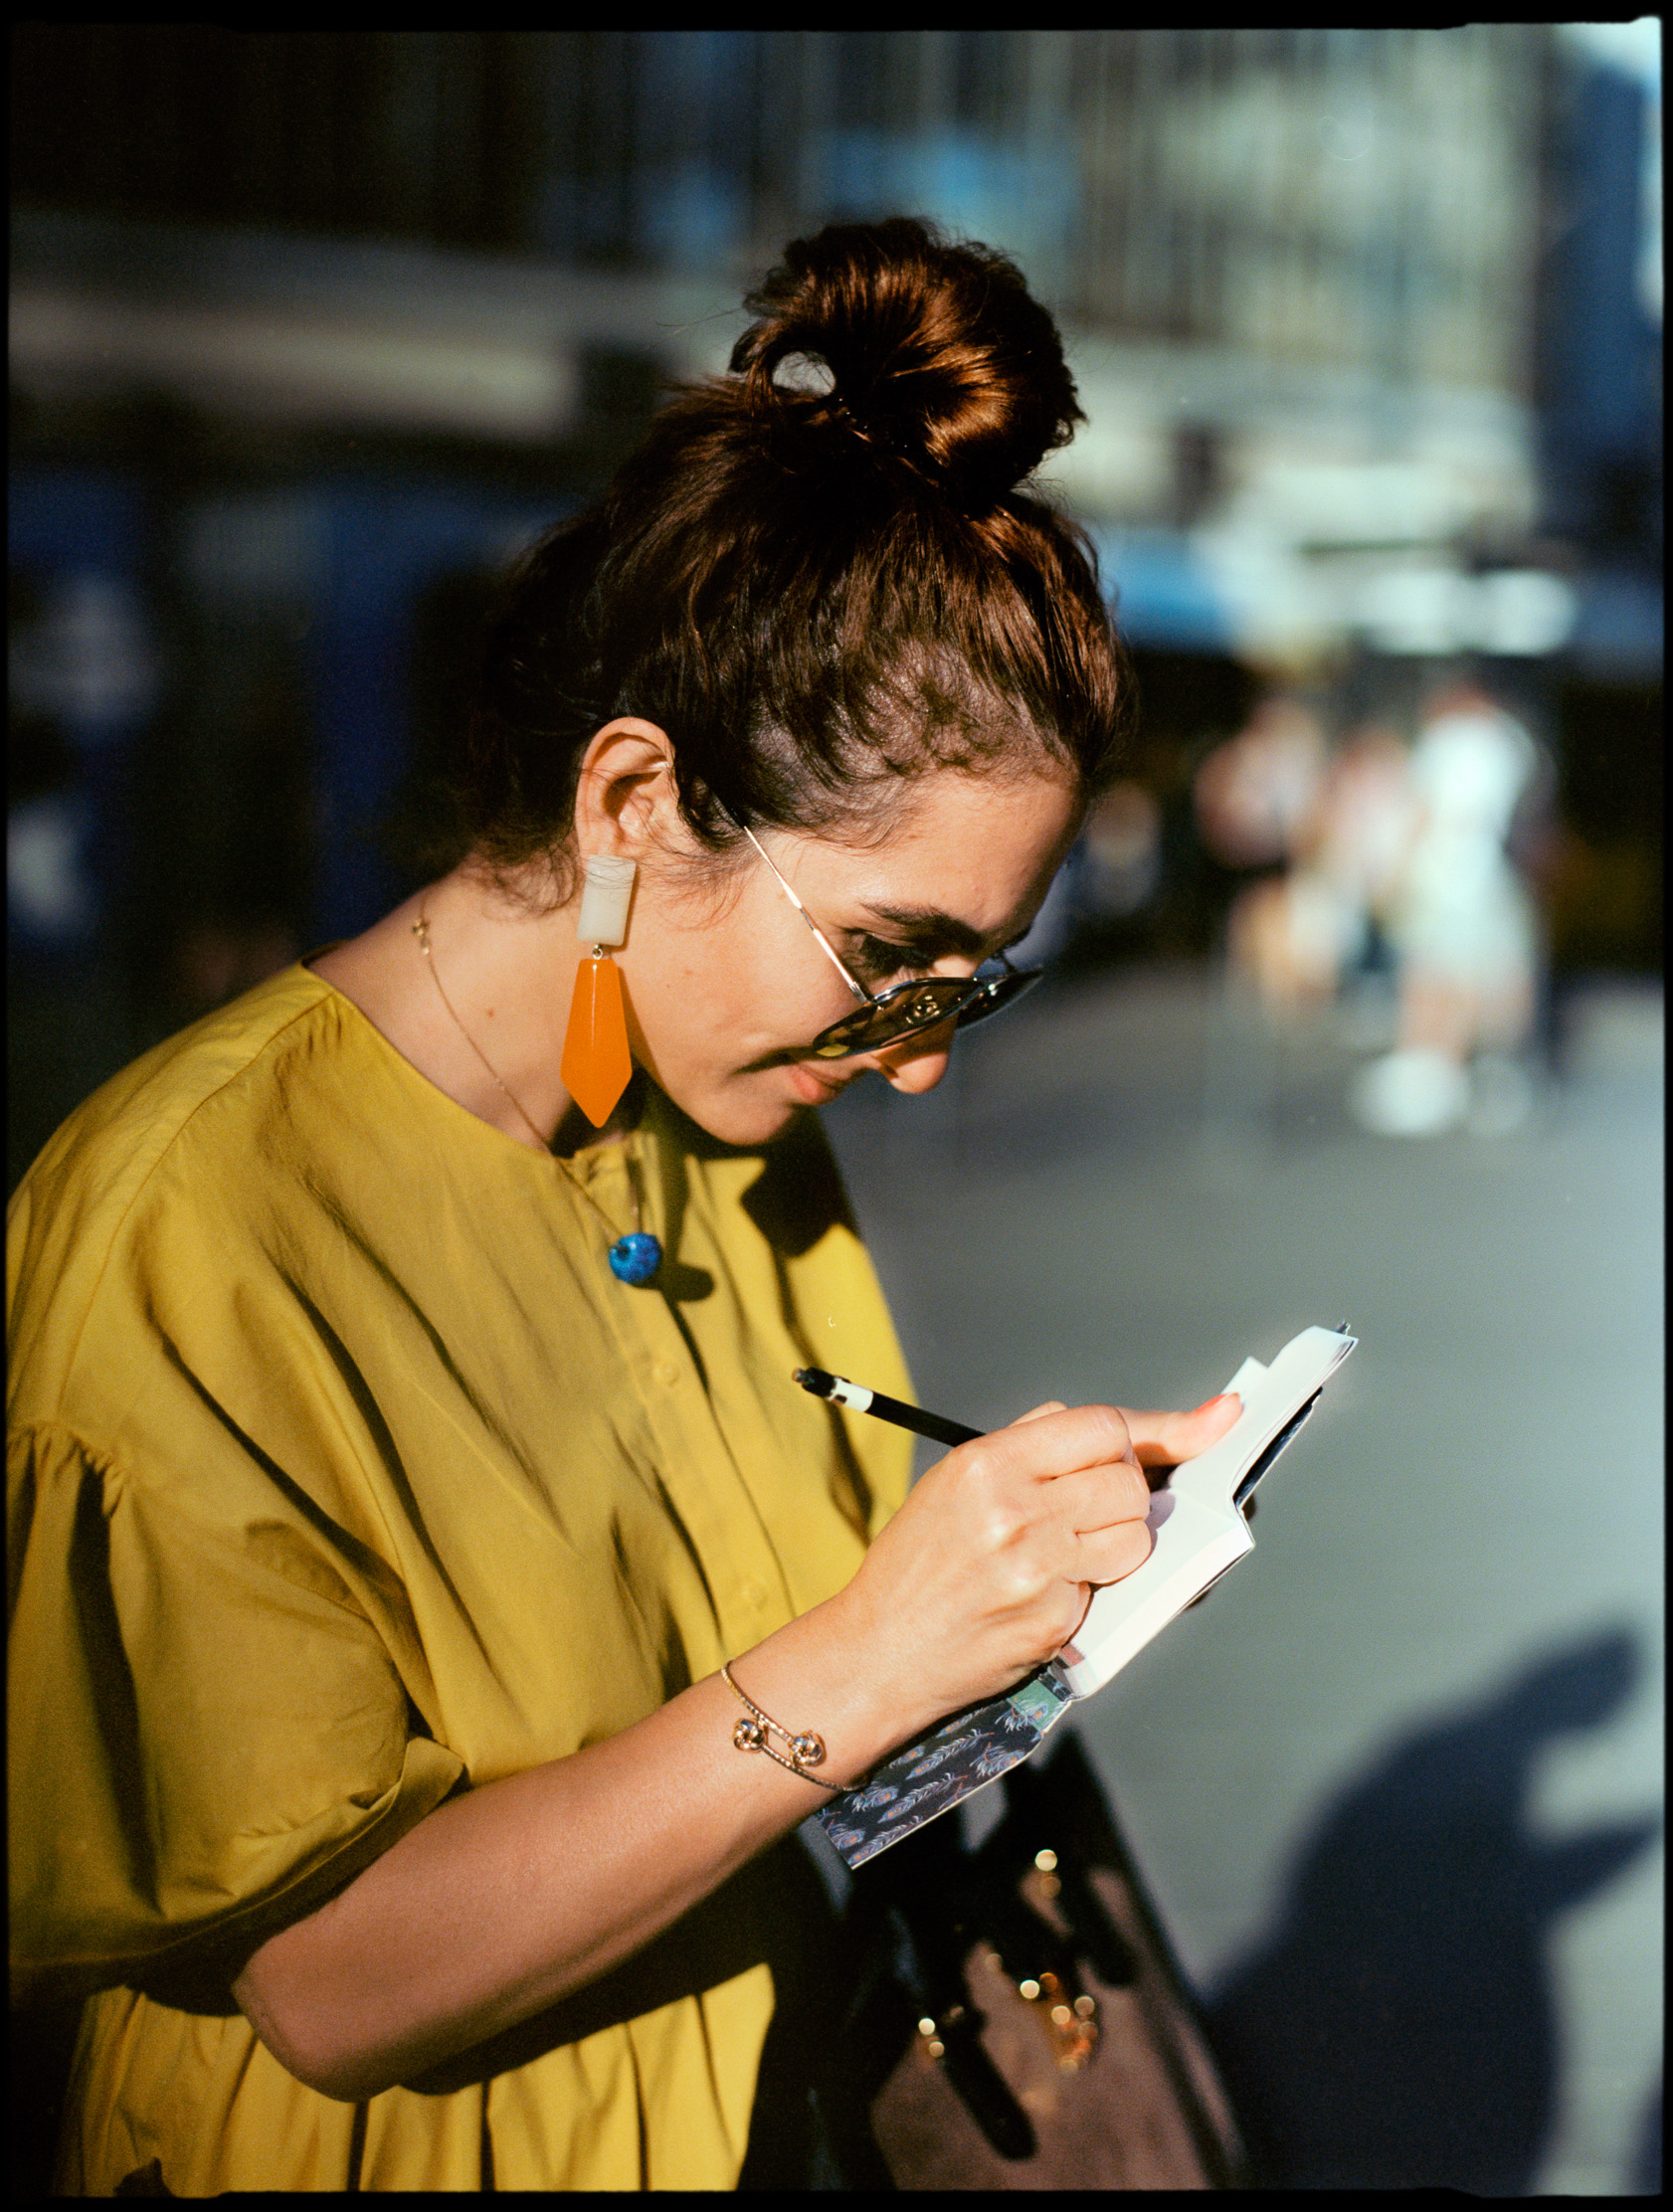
(925, 1424)
(824, 1384)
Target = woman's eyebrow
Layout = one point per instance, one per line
(930, 929)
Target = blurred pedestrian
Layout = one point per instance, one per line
(1301, 937)
(1254, 792)
(1122, 852)
(1463, 932)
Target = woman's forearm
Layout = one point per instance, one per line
(509, 1897)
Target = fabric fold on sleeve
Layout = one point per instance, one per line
(206, 1736)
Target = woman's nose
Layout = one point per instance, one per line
(916, 1063)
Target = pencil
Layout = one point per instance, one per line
(838, 1391)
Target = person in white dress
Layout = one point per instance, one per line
(1463, 931)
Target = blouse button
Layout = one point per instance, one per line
(667, 1372)
(754, 1595)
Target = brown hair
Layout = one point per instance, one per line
(817, 592)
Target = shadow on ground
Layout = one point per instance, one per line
(1399, 2027)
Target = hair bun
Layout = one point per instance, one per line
(939, 353)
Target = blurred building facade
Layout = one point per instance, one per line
(309, 329)
(1298, 266)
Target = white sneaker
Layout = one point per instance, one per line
(1412, 1093)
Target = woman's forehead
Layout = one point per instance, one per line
(960, 850)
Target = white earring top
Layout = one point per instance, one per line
(603, 903)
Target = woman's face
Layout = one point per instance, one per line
(726, 993)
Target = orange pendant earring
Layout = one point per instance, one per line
(597, 1063)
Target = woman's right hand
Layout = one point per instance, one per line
(987, 1568)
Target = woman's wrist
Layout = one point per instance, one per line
(818, 1676)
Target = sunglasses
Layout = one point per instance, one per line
(922, 1002)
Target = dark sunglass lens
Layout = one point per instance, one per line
(899, 1013)
(997, 992)
(912, 1006)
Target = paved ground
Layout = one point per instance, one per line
(1396, 1784)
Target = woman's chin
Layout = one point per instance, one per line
(760, 1107)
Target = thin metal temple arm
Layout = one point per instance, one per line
(854, 985)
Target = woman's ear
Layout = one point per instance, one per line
(626, 799)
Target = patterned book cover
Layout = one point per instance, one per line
(931, 1776)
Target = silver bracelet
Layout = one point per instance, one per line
(751, 1736)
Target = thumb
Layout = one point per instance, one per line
(1164, 1439)
(1051, 1405)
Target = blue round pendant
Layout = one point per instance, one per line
(635, 1258)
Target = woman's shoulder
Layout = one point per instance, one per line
(116, 1138)
(195, 1127)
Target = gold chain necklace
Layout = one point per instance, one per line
(633, 1258)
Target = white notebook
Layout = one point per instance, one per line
(1198, 1521)
(1197, 1517)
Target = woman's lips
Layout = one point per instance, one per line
(812, 1089)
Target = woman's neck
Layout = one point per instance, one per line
(483, 1016)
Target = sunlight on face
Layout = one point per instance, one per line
(725, 995)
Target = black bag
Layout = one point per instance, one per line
(1019, 2021)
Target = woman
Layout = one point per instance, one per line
(380, 1536)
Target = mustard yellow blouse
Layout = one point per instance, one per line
(344, 1474)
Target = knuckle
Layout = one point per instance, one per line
(1135, 1489)
(1109, 1428)
(1000, 1526)
(1126, 1548)
(1021, 1579)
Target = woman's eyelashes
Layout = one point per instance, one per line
(877, 960)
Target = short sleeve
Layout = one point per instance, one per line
(206, 1736)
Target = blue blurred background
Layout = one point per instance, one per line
(310, 331)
